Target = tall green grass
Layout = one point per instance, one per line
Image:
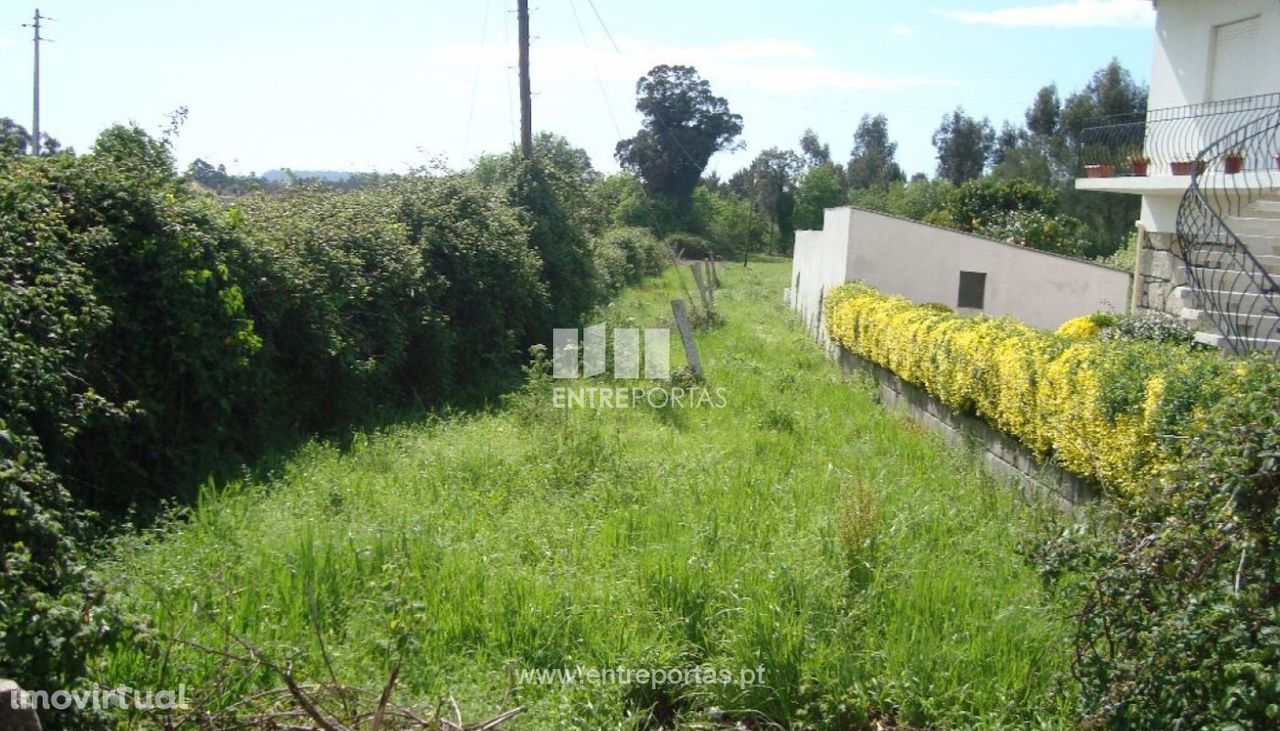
(869, 569)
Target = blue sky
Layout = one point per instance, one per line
(389, 85)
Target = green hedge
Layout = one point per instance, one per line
(1112, 410)
(150, 335)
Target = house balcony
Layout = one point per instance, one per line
(1155, 154)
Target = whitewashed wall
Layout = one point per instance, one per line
(923, 263)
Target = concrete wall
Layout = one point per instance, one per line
(1002, 455)
(923, 263)
(821, 261)
(1182, 72)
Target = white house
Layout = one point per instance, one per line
(1205, 162)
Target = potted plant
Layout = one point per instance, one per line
(1187, 167)
(1139, 164)
(1233, 162)
(1104, 170)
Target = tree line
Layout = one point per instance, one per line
(1024, 172)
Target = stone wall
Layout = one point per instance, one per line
(1002, 455)
(1158, 272)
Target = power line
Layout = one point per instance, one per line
(607, 34)
(475, 80)
(595, 70)
(506, 42)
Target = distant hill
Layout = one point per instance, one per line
(278, 175)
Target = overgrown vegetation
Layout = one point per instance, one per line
(868, 569)
(1177, 620)
(1173, 580)
(154, 336)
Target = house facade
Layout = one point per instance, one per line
(1205, 160)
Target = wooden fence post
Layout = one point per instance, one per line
(703, 291)
(686, 337)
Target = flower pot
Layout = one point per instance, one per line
(1186, 167)
(1139, 169)
(1100, 171)
(1233, 164)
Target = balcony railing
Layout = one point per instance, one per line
(1169, 141)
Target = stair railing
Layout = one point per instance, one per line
(1231, 284)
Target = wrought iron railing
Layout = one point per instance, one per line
(1227, 224)
(1167, 141)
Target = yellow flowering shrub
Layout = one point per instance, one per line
(1080, 328)
(1110, 411)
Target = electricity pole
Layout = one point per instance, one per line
(35, 87)
(526, 94)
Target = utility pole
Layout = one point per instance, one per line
(35, 87)
(526, 93)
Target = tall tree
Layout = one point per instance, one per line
(769, 183)
(872, 164)
(822, 187)
(1045, 111)
(684, 125)
(1007, 143)
(964, 144)
(814, 152)
(14, 138)
(1111, 92)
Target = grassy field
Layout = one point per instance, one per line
(800, 530)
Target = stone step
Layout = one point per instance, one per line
(1265, 326)
(1222, 259)
(1257, 245)
(1225, 278)
(1215, 340)
(1254, 226)
(1248, 301)
(1262, 209)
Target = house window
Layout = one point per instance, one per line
(1235, 60)
(973, 290)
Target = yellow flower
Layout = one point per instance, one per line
(1080, 328)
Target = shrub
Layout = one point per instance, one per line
(981, 203)
(1080, 328)
(1178, 623)
(1156, 327)
(625, 255)
(51, 616)
(173, 345)
(400, 291)
(689, 246)
(1057, 233)
(1109, 411)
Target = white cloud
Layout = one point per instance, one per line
(767, 65)
(1074, 14)
(901, 30)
